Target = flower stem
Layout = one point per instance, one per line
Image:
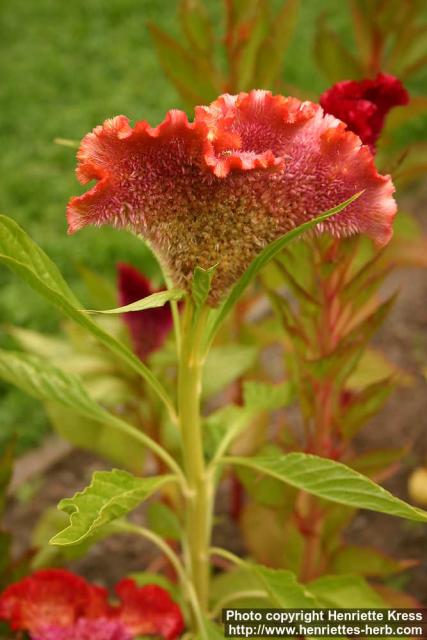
(151, 444)
(128, 527)
(199, 497)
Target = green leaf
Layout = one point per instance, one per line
(102, 290)
(214, 631)
(245, 55)
(332, 481)
(162, 520)
(270, 54)
(191, 75)
(263, 258)
(341, 362)
(373, 367)
(363, 27)
(24, 257)
(333, 57)
(366, 404)
(233, 588)
(372, 463)
(367, 561)
(223, 426)
(260, 396)
(149, 302)
(39, 344)
(368, 276)
(284, 589)
(42, 380)
(226, 364)
(111, 495)
(350, 591)
(201, 285)
(337, 518)
(304, 295)
(278, 543)
(197, 26)
(120, 448)
(402, 116)
(266, 490)
(67, 142)
(47, 555)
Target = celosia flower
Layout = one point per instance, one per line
(217, 190)
(55, 604)
(150, 328)
(363, 105)
(83, 629)
(51, 597)
(148, 610)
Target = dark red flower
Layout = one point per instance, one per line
(216, 191)
(364, 104)
(148, 610)
(150, 328)
(51, 597)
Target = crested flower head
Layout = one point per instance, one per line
(217, 190)
(51, 597)
(55, 604)
(363, 105)
(149, 328)
(148, 610)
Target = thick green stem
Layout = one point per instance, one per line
(199, 495)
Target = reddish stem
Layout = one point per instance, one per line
(328, 337)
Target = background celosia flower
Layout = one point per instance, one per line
(150, 328)
(363, 105)
(83, 629)
(216, 191)
(55, 604)
(148, 610)
(51, 597)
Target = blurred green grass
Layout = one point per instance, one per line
(66, 66)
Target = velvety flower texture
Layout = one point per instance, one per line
(55, 604)
(102, 629)
(149, 328)
(217, 190)
(51, 597)
(148, 610)
(363, 105)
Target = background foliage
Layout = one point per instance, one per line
(67, 67)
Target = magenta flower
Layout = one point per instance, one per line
(150, 328)
(217, 190)
(83, 629)
(363, 105)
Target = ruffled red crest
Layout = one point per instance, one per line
(363, 105)
(55, 604)
(148, 610)
(150, 328)
(216, 191)
(51, 597)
